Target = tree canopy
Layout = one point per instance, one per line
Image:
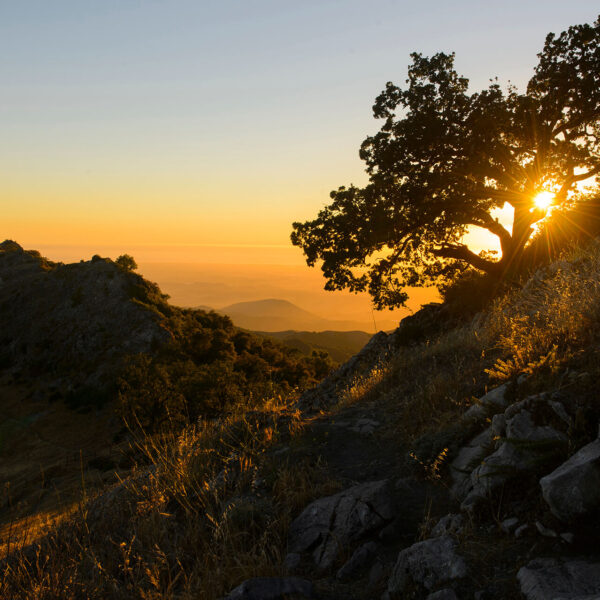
(445, 158)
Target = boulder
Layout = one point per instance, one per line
(494, 401)
(331, 525)
(525, 446)
(360, 560)
(551, 579)
(430, 564)
(272, 588)
(573, 489)
(468, 458)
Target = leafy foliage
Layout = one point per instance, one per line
(126, 262)
(208, 369)
(445, 158)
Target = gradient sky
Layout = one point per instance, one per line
(217, 123)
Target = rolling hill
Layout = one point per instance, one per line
(273, 314)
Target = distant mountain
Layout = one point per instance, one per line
(340, 345)
(273, 315)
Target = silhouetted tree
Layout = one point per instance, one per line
(445, 158)
(127, 262)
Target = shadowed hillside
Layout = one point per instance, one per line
(456, 456)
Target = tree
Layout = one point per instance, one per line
(445, 158)
(126, 262)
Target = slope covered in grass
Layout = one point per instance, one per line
(210, 506)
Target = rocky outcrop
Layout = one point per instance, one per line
(331, 525)
(429, 564)
(573, 490)
(551, 579)
(329, 391)
(513, 444)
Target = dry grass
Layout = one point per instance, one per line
(537, 331)
(211, 505)
(211, 509)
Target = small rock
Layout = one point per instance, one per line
(450, 524)
(543, 579)
(545, 531)
(429, 563)
(272, 588)
(573, 489)
(508, 525)
(361, 558)
(568, 537)
(445, 594)
(519, 531)
(494, 400)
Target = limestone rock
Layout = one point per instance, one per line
(573, 489)
(525, 444)
(550, 579)
(445, 594)
(494, 401)
(361, 559)
(468, 458)
(449, 524)
(430, 563)
(272, 588)
(330, 525)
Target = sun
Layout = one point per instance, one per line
(544, 200)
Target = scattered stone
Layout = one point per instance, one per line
(573, 489)
(330, 525)
(494, 401)
(272, 588)
(361, 559)
(545, 531)
(445, 594)
(430, 563)
(568, 537)
(519, 531)
(450, 524)
(544, 579)
(508, 525)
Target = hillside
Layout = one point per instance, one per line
(273, 315)
(456, 457)
(340, 345)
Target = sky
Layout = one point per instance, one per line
(186, 131)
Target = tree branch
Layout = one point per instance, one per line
(461, 252)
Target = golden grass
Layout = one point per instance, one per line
(210, 509)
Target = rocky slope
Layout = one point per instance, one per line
(510, 506)
(447, 460)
